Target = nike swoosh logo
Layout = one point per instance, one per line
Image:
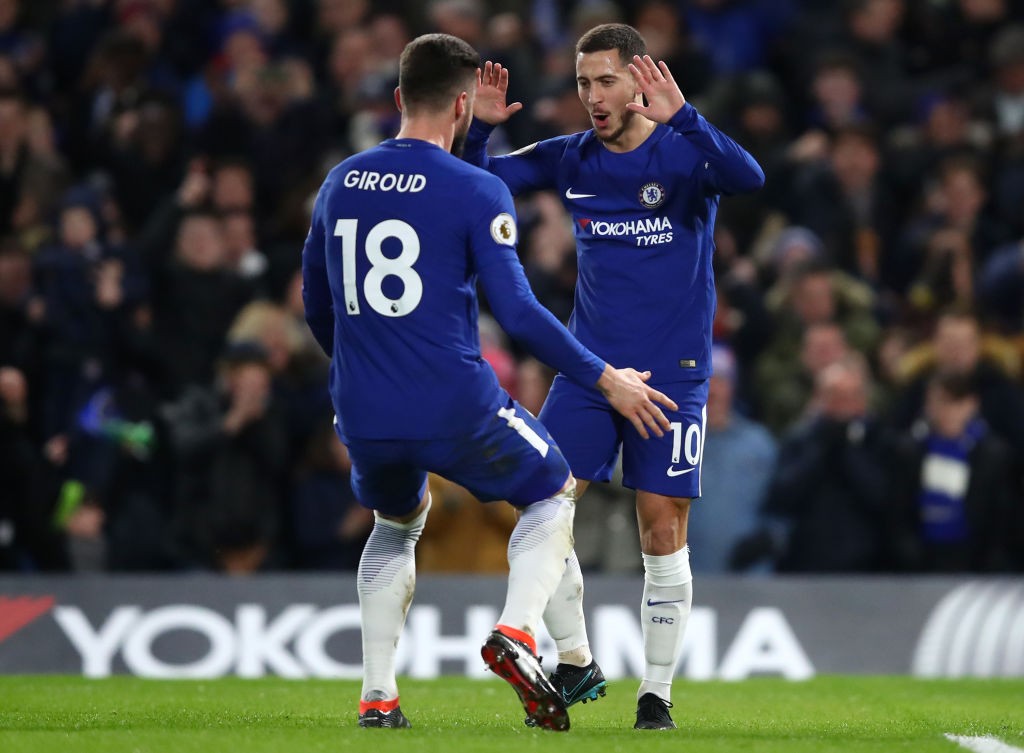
(653, 603)
(570, 195)
(673, 472)
(568, 696)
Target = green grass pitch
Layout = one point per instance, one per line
(452, 715)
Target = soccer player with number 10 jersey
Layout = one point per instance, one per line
(642, 187)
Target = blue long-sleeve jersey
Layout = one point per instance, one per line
(398, 238)
(644, 224)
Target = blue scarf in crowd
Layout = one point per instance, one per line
(945, 477)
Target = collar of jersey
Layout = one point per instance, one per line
(413, 143)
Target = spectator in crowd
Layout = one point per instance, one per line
(957, 200)
(817, 292)
(832, 483)
(872, 36)
(195, 299)
(847, 202)
(144, 155)
(820, 315)
(959, 347)
(836, 93)
(957, 504)
(88, 289)
(942, 129)
(229, 443)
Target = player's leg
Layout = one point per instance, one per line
(563, 616)
(587, 431)
(514, 458)
(666, 472)
(386, 579)
(666, 603)
(538, 548)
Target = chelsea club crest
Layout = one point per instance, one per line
(652, 195)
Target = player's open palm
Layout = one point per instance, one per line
(655, 81)
(491, 94)
(626, 391)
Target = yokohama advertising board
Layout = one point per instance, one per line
(308, 626)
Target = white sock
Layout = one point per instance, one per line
(386, 582)
(537, 550)
(564, 618)
(668, 593)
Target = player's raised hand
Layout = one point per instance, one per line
(655, 80)
(626, 391)
(491, 92)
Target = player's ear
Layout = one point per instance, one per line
(461, 105)
(398, 98)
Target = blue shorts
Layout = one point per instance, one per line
(510, 456)
(591, 433)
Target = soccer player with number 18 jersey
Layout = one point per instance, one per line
(642, 187)
(399, 237)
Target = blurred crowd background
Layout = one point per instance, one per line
(163, 406)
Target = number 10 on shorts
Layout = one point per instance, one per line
(687, 444)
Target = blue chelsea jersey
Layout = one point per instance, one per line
(399, 236)
(644, 226)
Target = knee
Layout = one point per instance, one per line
(662, 539)
(664, 532)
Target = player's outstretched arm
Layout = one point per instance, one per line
(664, 98)
(626, 392)
(491, 95)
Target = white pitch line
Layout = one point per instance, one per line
(986, 744)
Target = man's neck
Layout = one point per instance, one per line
(426, 129)
(633, 136)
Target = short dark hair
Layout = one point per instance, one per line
(621, 37)
(434, 68)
